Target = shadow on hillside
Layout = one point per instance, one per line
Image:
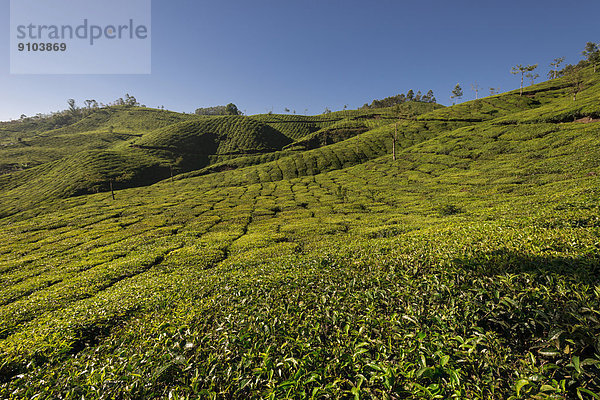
(583, 268)
(530, 307)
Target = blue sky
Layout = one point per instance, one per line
(308, 55)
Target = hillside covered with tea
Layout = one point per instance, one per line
(410, 251)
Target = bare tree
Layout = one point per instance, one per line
(475, 88)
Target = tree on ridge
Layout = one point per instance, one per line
(457, 92)
(520, 69)
(553, 74)
(592, 53)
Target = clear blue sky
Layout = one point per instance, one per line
(311, 54)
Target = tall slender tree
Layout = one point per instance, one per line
(555, 65)
(520, 69)
(574, 76)
(532, 77)
(475, 88)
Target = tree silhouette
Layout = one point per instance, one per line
(532, 77)
(555, 65)
(592, 53)
(519, 69)
(130, 101)
(72, 106)
(574, 76)
(232, 109)
(475, 88)
(457, 92)
(430, 98)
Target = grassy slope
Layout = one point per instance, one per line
(144, 146)
(85, 172)
(217, 135)
(467, 268)
(372, 144)
(41, 144)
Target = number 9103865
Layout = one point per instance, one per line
(42, 46)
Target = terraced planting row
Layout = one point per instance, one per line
(466, 268)
(228, 276)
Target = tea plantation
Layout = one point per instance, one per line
(291, 257)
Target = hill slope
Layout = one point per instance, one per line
(466, 268)
(215, 136)
(137, 146)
